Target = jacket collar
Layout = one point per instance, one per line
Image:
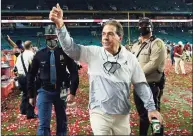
(48, 49)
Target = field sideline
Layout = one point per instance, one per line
(176, 108)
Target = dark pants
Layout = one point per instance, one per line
(44, 104)
(161, 87)
(159, 99)
(172, 59)
(143, 113)
(25, 107)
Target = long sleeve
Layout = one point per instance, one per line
(144, 92)
(31, 77)
(141, 87)
(75, 51)
(74, 78)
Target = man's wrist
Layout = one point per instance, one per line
(151, 108)
(60, 24)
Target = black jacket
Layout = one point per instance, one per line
(41, 62)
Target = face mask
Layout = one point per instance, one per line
(144, 31)
(51, 43)
(17, 54)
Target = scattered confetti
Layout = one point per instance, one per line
(176, 109)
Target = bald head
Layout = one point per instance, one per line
(27, 45)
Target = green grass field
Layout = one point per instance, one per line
(176, 109)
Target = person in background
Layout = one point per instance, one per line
(17, 47)
(151, 54)
(172, 53)
(52, 62)
(22, 72)
(178, 51)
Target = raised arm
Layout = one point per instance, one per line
(11, 42)
(73, 50)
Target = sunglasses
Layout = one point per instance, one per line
(111, 67)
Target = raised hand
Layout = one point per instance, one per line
(56, 15)
(8, 37)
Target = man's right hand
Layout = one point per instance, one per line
(56, 15)
(32, 101)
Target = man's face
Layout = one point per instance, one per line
(144, 28)
(110, 39)
(51, 41)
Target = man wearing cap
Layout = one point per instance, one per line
(22, 64)
(178, 51)
(51, 62)
(151, 54)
